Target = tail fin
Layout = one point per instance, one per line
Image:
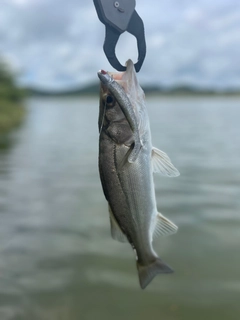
(148, 272)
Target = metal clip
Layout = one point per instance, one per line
(118, 17)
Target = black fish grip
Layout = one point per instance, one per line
(118, 17)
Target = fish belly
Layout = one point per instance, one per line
(136, 181)
(129, 190)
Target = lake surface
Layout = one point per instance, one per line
(57, 258)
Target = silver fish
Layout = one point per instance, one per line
(127, 161)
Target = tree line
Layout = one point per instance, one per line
(9, 91)
(11, 99)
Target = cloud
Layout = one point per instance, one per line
(58, 43)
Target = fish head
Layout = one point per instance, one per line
(129, 82)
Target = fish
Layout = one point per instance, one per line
(127, 161)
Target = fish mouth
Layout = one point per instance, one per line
(107, 77)
(116, 75)
(127, 79)
(104, 77)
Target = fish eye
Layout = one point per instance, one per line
(109, 99)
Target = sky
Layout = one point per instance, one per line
(57, 44)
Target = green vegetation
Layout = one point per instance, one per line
(11, 109)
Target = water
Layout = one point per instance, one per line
(57, 259)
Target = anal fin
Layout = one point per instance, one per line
(163, 226)
(116, 231)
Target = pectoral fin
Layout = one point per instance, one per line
(136, 149)
(116, 231)
(162, 164)
(163, 226)
(124, 161)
